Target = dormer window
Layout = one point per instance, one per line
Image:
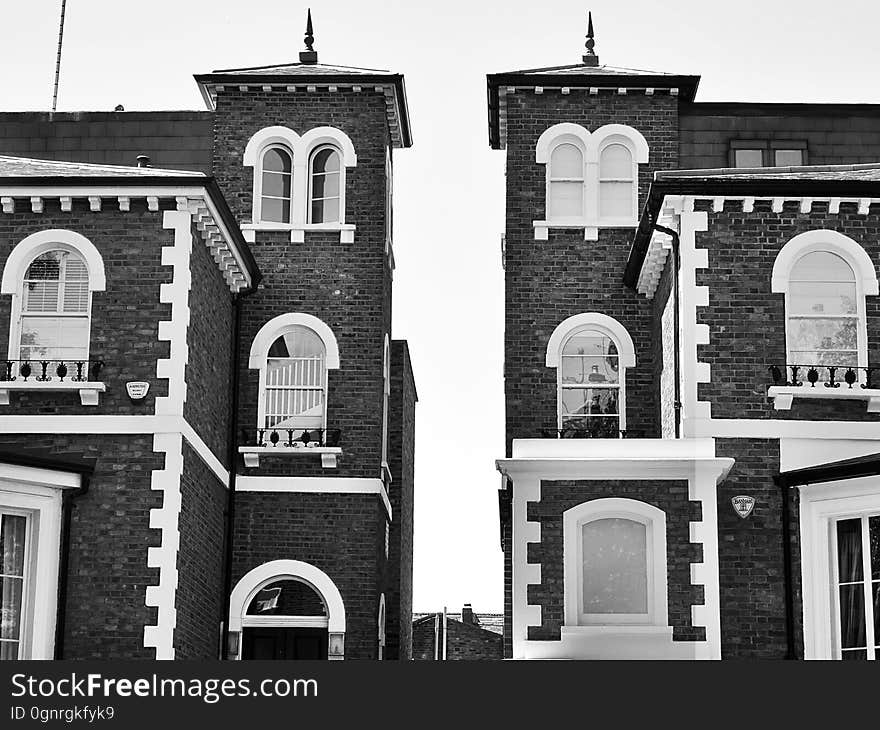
(276, 185)
(592, 177)
(325, 193)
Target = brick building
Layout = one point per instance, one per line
(206, 428)
(464, 636)
(691, 325)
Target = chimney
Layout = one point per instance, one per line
(467, 614)
(143, 160)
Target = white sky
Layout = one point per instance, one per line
(449, 187)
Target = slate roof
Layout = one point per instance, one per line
(855, 173)
(302, 69)
(493, 622)
(580, 69)
(25, 167)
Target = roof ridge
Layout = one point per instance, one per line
(299, 64)
(39, 161)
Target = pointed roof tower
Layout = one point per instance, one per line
(310, 55)
(590, 58)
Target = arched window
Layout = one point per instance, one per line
(276, 185)
(325, 185)
(296, 381)
(381, 622)
(55, 306)
(565, 183)
(618, 189)
(591, 352)
(615, 563)
(825, 277)
(386, 395)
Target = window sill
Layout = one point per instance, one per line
(591, 228)
(298, 230)
(88, 391)
(251, 454)
(783, 395)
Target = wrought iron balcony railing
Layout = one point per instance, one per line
(829, 376)
(604, 431)
(292, 438)
(44, 371)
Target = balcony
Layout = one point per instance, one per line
(827, 382)
(51, 376)
(291, 442)
(589, 428)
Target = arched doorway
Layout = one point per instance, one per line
(286, 610)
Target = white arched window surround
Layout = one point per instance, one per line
(275, 328)
(386, 396)
(654, 519)
(834, 242)
(301, 147)
(24, 254)
(592, 144)
(255, 580)
(603, 324)
(381, 626)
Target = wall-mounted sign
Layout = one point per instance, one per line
(743, 505)
(137, 390)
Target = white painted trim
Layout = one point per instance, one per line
(276, 327)
(29, 248)
(824, 240)
(252, 582)
(602, 322)
(88, 391)
(41, 502)
(654, 520)
(315, 485)
(820, 504)
(264, 138)
(771, 428)
(783, 395)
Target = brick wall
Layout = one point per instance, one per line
(547, 281)
(671, 496)
(747, 321)
(125, 318)
(342, 534)
(751, 555)
(178, 140)
(401, 461)
(835, 134)
(110, 533)
(463, 641)
(200, 604)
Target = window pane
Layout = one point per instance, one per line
(589, 401)
(616, 199)
(298, 342)
(589, 343)
(580, 370)
(748, 158)
(41, 296)
(12, 535)
(789, 158)
(616, 162)
(276, 185)
(615, 577)
(76, 297)
(822, 298)
(849, 550)
(852, 616)
(816, 334)
(325, 211)
(287, 598)
(822, 266)
(854, 655)
(874, 532)
(566, 161)
(277, 160)
(325, 185)
(8, 650)
(566, 200)
(46, 267)
(54, 338)
(275, 210)
(326, 160)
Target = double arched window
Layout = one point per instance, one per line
(825, 277)
(299, 180)
(591, 353)
(591, 177)
(615, 564)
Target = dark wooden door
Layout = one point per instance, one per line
(284, 643)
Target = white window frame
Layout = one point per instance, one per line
(821, 506)
(36, 493)
(386, 401)
(604, 325)
(258, 185)
(577, 143)
(654, 520)
(836, 243)
(302, 148)
(591, 144)
(310, 199)
(271, 331)
(381, 626)
(633, 180)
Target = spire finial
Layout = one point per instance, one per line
(309, 55)
(590, 58)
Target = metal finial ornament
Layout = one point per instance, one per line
(309, 55)
(590, 58)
